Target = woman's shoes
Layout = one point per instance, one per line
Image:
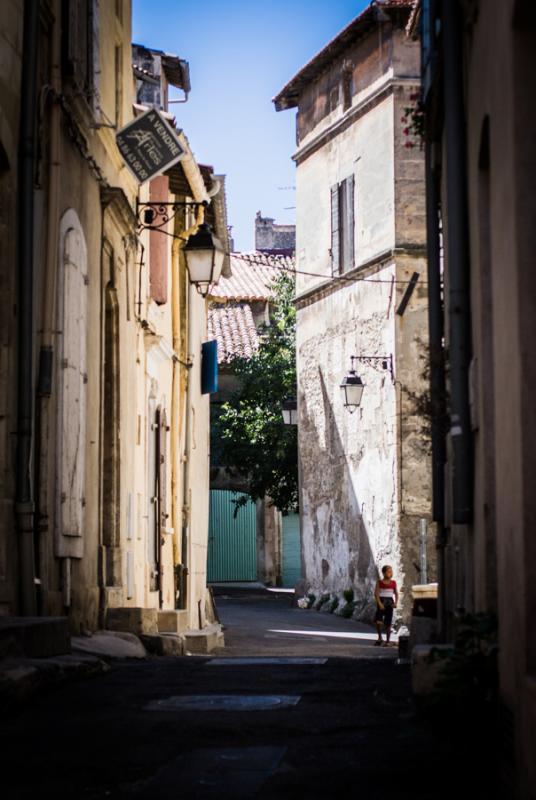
(378, 643)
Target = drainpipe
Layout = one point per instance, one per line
(24, 501)
(186, 509)
(181, 515)
(437, 371)
(458, 266)
(48, 304)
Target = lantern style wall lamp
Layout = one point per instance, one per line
(352, 386)
(289, 410)
(203, 251)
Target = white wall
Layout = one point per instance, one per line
(364, 150)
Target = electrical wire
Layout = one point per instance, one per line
(294, 271)
(350, 279)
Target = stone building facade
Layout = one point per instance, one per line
(103, 419)
(271, 237)
(481, 171)
(361, 291)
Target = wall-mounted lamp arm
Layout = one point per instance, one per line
(154, 216)
(386, 362)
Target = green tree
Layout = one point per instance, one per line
(251, 434)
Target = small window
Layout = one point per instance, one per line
(347, 89)
(342, 226)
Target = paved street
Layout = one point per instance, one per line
(197, 727)
(264, 623)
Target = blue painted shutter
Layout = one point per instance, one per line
(209, 367)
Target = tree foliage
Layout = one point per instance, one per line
(252, 436)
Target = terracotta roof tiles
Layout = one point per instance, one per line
(232, 325)
(252, 275)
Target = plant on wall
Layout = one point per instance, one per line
(413, 122)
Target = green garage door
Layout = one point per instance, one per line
(232, 541)
(291, 550)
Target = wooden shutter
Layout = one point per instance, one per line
(75, 41)
(161, 492)
(162, 471)
(348, 188)
(73, 385)
(335, 231)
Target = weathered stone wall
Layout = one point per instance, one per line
(414, 456)
(270, 236)
(364, 477)
(348, 475)
(411, 328)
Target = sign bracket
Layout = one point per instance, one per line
(154, 216)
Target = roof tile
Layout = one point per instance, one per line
(252, 276)
(233, 327)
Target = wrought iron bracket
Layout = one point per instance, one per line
(386, 362)
(154, 216)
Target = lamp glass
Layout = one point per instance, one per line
(354, 393)
(219, 256)
(352, 387)
(200, 265)
(289, 411)
(205, 255)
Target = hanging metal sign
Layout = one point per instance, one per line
(148, 145)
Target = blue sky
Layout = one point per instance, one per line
(241, 54)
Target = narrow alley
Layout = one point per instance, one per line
(272, 715)
(267, 430)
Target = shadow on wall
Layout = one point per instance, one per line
(336, 548)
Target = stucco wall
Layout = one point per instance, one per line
(498, 548)
(348, 474)
(11, 43)
(364, 477)
(365, 151)
(199, 467)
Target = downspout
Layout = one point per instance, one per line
(181, 511)
(24, 499)
(458, 266)
(437, 373)
(48, 306)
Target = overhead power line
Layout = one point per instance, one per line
(348, 278)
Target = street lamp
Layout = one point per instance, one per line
(352, 389)
(352, 386)
(204, 255)
(289, 410)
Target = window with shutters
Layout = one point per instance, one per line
(342, 226)
(72, 378)
(77, 43)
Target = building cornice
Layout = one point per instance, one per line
(115, 199)
(383, 91)
(366, 269)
